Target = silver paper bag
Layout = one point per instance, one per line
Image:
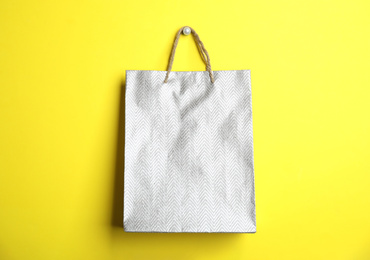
(189, 150)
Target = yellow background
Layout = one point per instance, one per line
(62, 68)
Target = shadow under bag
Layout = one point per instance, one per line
(189, 150)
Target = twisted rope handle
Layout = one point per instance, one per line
(201, 49)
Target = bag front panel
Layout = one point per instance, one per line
(189, 152)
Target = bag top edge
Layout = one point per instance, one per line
(200, 71)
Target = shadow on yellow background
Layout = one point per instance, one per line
(117, 206)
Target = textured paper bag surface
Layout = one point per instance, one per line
(189, 152)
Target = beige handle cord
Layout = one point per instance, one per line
(201, 49)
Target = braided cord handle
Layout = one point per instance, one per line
(201, 48)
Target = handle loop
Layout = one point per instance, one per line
(201, 49)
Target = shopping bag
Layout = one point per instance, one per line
(189, 149)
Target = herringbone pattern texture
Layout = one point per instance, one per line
(189, 152)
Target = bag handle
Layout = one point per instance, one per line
(201, 49)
